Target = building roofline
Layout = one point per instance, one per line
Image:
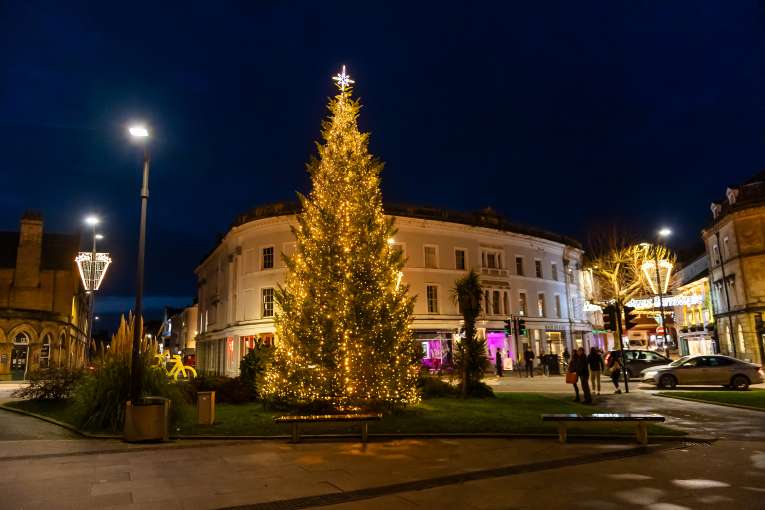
(486, 218)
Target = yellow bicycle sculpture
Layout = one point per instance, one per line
(185, 371)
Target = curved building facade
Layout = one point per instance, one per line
(524, 272)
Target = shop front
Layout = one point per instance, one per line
(696, 342)
(437, 348)
(499, 341)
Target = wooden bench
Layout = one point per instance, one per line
(295, 421)
(640, 420)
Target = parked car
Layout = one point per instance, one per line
(705, 370)
(638, 360)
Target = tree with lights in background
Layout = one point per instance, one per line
(343, 334)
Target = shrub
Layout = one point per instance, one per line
(479, 389)
(49, 384)
(100, 397)
(227, 390)
(433, 387)
(253, 366)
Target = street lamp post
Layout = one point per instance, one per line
(93, 221)
(662, 233)
(139, 133)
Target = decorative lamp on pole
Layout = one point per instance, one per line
(92, 266)
(663, 233)
(140, 134)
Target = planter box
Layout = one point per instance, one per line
(147, 420)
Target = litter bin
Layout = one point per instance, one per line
(148, 419)
(205, 407)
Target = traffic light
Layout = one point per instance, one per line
(508, 327)
(521, 327)
(609, 318)
(630, 321)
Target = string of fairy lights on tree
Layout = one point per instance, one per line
(344, 315)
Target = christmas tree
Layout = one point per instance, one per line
(342, 326)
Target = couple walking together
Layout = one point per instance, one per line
(584, 367)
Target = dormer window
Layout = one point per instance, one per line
(732, 195)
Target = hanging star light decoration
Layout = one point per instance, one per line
(343, 80)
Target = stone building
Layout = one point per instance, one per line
(524, 271)
(735, 244)
(692, 305)
(180, 330)
(43, 306)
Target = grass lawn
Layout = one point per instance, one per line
(508, 413)
(752, 398)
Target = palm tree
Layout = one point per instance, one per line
(467, 293)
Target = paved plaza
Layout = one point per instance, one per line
(47, 468)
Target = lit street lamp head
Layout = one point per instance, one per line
(99, 236)
(92, 220)
(138, 131)
(665, 232)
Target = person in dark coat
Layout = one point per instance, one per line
(566, 356)
(528, 356)
(595, 363)
(578, 365)
(498, 362)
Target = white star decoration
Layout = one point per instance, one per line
(343, 79)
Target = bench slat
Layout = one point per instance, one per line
(624, 417)
(328, 418)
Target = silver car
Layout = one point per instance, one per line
(704, 370)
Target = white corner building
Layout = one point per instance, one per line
(524, 271)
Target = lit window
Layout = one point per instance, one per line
(268, 302)
(522, 303)
(430, 257)
(541, 304)
(268, 257)
(45, 352)
(432, 291)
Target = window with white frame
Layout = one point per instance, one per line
(519, 266)
(495, 303)
(538, 268)
(431, 257)
(267, 298)
(491, 259)
(459, 259)
(558, 312)
(432, 295)
(554, 270)
(268, 258)
(522, 304)
(541, 304)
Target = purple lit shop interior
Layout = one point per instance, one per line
(496, 340)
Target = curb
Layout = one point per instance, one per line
(724, 404)
(384, 435)
(54, 421)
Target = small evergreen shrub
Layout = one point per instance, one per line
(49, 384)
(434, 387)
(253, 367)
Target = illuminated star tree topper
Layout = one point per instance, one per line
(343, 80)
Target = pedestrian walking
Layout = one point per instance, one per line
(498, 362)
(615, 366)
(595, 363)
(578, 366)
(529, 357)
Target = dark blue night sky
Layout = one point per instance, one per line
(564, 115)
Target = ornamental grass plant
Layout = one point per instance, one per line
(99, 398)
